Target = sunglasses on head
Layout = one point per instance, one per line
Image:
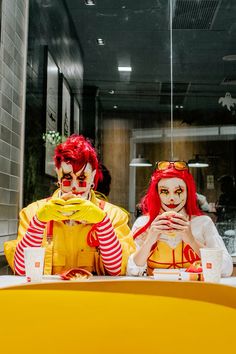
(178, 165)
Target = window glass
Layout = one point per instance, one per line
(203, 105)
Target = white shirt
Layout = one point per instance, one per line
(203, 230)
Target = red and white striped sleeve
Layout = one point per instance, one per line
(32, 238)
(110, 247)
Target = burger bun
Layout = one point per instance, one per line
(169, 214)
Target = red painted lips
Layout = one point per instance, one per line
(172, 206)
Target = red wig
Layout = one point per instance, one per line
(77, 151)
(151, 203)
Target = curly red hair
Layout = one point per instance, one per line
(77, 151)
(151, 203)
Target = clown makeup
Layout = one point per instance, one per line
(173, 194)
(79, 183)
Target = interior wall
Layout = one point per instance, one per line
(12, 82)
(115, 148)
(48, 26)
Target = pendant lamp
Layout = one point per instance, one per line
(140, 162)
(197, 162)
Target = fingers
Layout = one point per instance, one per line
(71, 208)
(175, 221)
(179, 224)
(160, 228)
(51, 208)
(179, 216)
(76, 200)
(67, 196)
(160, 217)
(57, 201)
(58, 216)
(78, 215)
(179, 227)
(63, 211)
(161, 224)
(55, 210)
(178, 221)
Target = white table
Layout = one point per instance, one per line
(12, 280)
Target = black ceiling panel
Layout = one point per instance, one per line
(137, 33)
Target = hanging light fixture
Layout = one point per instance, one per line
(140, 162)
(197, 162)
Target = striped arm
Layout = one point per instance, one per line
(110, 247)
(32, 238)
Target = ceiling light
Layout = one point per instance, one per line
(193, 163)
(89, 2)
(231, 57)
(140, 162)
(111, 92)
(124, 68)
(197, 162)
(115, 107)
(100, 41)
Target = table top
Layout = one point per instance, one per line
(12, 280)
(118, 315)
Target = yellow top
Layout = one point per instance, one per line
(165, 257)
(69, 247)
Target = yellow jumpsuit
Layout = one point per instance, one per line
(69, 248)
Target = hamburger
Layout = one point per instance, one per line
(169, 215)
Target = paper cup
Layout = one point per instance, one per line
(211, 264)
(34, 262)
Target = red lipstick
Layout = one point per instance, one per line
(172, 206)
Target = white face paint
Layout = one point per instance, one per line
(79, 183)
(173, 193)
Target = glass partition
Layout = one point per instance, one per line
(204, 64)
(176, 99)
(193, 115)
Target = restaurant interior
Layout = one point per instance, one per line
(145, 81)
(153, 80)
(176, 100)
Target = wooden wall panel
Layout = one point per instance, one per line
(115, 156)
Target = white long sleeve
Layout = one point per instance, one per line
(203, 230)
